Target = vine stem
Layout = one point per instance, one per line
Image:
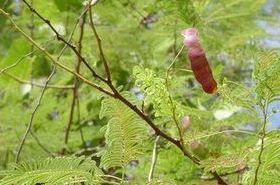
(264, 111)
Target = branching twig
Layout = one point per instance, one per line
(91, 3)
(98, 39)
(158, 132)
(60, 38)
(29, 125)
(154, 160)
(174, 60)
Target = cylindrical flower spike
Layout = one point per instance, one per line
(199, 62)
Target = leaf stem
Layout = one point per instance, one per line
(264, 111)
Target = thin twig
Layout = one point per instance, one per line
(75, 27)
(264, 111)
(175, 58)
(40, 144)
(60, 38)
(37, 84)
(29, 125)
(154, 160)
(17, 62)
(99, 43)
(223, 132)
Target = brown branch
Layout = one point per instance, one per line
(60, 38)
(99, 43)
(158, 132)
(29, 125)
(37, 84)
(118, 96)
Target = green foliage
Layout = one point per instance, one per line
(124, 134)
(140, 39)
(63, 5)
(266, 74)
(61, 170)
(270, 161)
(154, 91)
(224, 164)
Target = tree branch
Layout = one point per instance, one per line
(60, 38)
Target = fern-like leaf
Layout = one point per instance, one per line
(266, 74)
(57, 171)
(124, 133)
(270, 162)
(224, 164)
